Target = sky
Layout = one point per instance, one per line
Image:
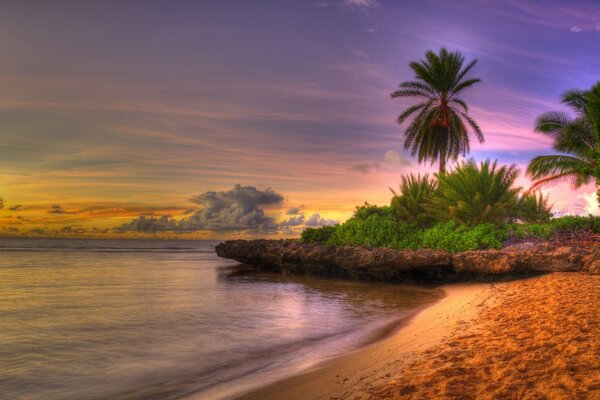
(220, 119)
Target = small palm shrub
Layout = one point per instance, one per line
(534, 208)
(409, 204)
(474, 194)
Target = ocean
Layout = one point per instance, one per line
(168, 319)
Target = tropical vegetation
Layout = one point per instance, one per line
(577, 139)
(473, 205)
(438, 132)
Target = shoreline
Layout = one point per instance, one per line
(426, 327)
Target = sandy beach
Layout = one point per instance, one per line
(535, 338)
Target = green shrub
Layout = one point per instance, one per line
(372, 230)
(314, 235)
(365, 211)
(544, 231)
(534, 208)
(474, 194)
(384, 231)
(569, 223)
(574, 223)
(415, 194)
(451, 237)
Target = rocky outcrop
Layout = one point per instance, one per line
(540, 257)
(389, 265)
(350, 262)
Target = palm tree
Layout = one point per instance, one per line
(439, 130)
(578, 139)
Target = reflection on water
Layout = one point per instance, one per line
(98, 319)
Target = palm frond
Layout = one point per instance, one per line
(465, 84)
(409, 93)
(475, 127)
(552, 180)
(557, 165)
(417, 85)
(466, 70)
(410, 110)
(461, 103)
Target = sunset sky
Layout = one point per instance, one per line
(218, 119)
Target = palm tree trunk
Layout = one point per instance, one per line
(442, 162)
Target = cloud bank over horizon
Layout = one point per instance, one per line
(241, 208)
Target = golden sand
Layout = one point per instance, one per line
(537, 338)
(540, 339)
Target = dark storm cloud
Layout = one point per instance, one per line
(237, 209)
(240, 208)
(16, 208)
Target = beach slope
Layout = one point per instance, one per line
(535, 338)
(354, 374)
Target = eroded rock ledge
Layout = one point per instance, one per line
(389, 265)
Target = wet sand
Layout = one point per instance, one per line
(537, 338)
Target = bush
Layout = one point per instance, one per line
(574, 223)
(534, 208)
(365, 211)
(384, 231)
(474, 194)
(544, 231)
(415, 194)
(448, 236)
(369, 228)
(315, 235)
(569, 223)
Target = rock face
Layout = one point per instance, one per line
(350, 262)
(389, 265)
(538, 258)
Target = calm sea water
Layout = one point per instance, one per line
(144, 319)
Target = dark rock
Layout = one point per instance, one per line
(390, 265)
(351, 262)
(541, 257)
(486, 262)
(591, 262)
